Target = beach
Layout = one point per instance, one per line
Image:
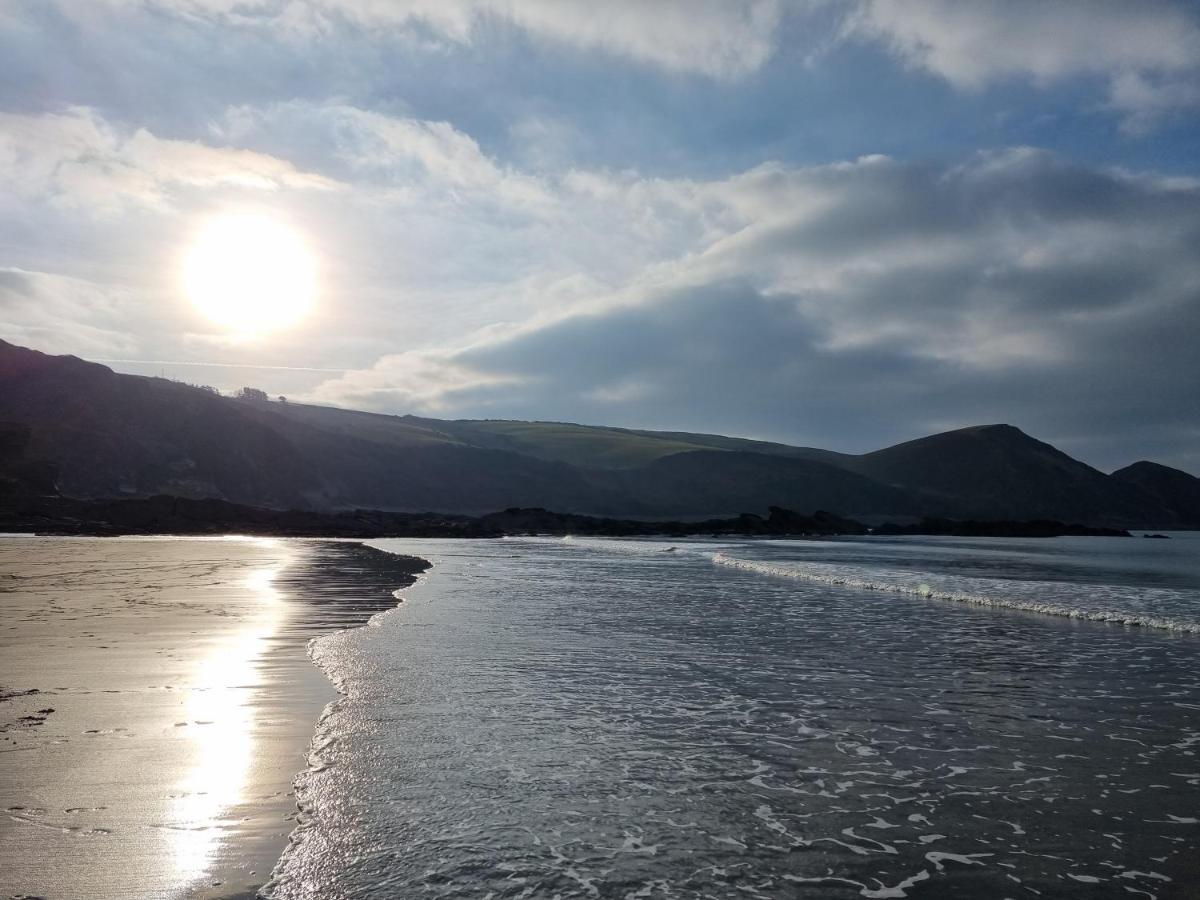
(158, 700)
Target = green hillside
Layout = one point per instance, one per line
(578, 445)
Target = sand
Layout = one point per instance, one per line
(156, 702)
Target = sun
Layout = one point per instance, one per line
(250, 273)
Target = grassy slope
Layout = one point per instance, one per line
(391, 431)
(589, 446)
(579, 445)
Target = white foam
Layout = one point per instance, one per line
(837, 579)
(965, 859)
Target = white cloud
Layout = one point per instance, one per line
(423, 235)
(425, 380)
(720, 38)
(973, 43)
(970, 43)
(1146, 100)
(401, 153)
(78, 159)
(58, 314)
(716, 38)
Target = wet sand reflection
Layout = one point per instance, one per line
(220, 727)
(156, 702)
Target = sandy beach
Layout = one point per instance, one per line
(156, 702)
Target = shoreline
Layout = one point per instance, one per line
(384, 562)
(171, 703)
(180, 516)
(340, 586)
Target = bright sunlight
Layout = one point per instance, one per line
(250, 273)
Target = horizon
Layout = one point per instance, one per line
(828, 224)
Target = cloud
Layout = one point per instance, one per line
(78, 159)
(715, 38)
(718, 38)
(423, 236)
(896, 298)
(58, 314)
(608, 75)
(1145, 100)
(394, 152)
(1149, 50)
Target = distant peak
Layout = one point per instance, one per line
(1148, 467)
(999, 428)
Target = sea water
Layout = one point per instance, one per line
(881, 717)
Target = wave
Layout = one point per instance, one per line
(866, 583)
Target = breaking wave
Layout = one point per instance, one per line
(1016, 595)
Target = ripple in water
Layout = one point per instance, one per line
(547, 718)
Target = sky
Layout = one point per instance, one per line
(834, 223)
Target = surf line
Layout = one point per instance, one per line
(1109, 616)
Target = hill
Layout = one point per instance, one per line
(999, 472)
(116, 435)
(1177, 491)
(109, 435)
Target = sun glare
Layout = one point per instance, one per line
(250, 273)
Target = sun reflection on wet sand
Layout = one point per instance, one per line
(183, 703)
(220, 726)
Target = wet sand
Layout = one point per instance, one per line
(156, 702)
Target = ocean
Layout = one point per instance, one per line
(881, 718)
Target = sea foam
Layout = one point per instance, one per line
(865, 582)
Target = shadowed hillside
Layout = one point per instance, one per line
(122, 435)
(1177, 491)
(999, 472)
(111, 435)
